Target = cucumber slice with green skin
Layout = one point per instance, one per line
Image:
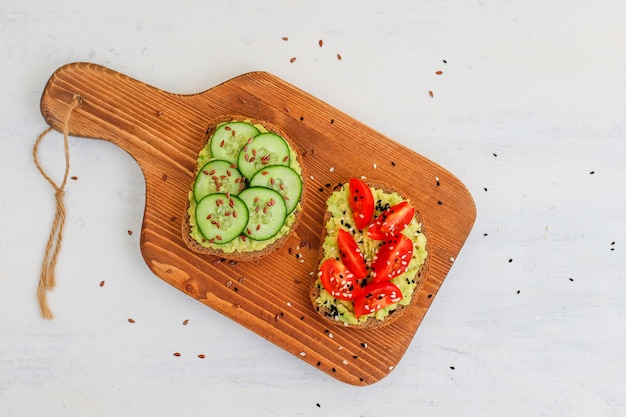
(282, 179)
(229, 138)
(218, 177)
(267, 212)
(221, 217)
(264, 150)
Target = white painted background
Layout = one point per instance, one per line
(540, 84)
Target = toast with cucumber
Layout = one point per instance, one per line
(373, 256)
(248, 190)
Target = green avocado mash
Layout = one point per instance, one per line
(240, 244)
(341, 217)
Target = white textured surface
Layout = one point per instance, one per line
(530, 113)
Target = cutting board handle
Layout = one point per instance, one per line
(119, 109)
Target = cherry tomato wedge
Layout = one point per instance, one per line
(376, 296)
(351, 254)
(391, 221)
(338, 280)
(392, 258)
(361, 203)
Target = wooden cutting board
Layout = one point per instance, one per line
(163, 133)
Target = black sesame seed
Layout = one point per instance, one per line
(332, 121)
(319, 363)
(393, 164)
(301, 118)
(321, 190)
(334, 370)
(430, 296)
(440, 203)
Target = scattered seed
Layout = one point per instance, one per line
(185, 322)
(130, 320)
(510, 260)
(320, 42)
(439, 72)
(339, 57)
(452, 367)
(164, 177)
(285, 38)
(130, 233)
(176, 354)
(292, 60)
(430, 93)
(201, 355)
(102, 283)
(74, 178)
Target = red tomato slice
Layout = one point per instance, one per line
(392, 258)
(361, 203)
(376, 296)
(338, 280)
(351, 254)
(391, 221)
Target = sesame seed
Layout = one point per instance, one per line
(345, 362)
(332, 169)
(390, 367)
(288, 304)
(374, 165)
(302, 354)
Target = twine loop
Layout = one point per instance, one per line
(47, 278)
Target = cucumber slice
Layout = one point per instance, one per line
(218, 177)
(267, 212)
(221, 217)
(229, 138)
(282, 179)
(264, 150)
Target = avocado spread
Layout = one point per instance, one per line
(241, 243)
(341, 217)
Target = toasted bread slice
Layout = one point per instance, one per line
(330, 313)
(261, 248)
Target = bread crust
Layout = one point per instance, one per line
(193, 245)
(371, 322)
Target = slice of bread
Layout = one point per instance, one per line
(242, 253)
(330, 314)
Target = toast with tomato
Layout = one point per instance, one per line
(247, 193)
(373, 256)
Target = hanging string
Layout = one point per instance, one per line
(47, 279)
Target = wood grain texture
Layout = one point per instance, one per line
(163, 133)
